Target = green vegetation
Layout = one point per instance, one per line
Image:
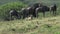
(4, 9)
(48, 25)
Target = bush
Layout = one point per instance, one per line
(4, 9)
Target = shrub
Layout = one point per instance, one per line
(4, 9)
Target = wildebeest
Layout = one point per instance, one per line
(53, 9)
(30, 10)
(24, 12)
(42, 9)
(33, 8)
(14, 12)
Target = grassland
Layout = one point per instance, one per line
(50, 25)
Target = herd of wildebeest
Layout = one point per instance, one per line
(33, 11)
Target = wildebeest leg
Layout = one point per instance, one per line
(18, 17)
(43, 14)
(23, 16)
(54, 13)
(10, 17)
(36, 14)
(50, 11)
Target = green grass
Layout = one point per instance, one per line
(48, 25)
(35, 26)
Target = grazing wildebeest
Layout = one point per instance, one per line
(13, 12)
(42, 9)
(53, 9)
(24, 12)
(30, 10)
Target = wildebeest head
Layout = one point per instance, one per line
(53, 7)
(14, 12)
